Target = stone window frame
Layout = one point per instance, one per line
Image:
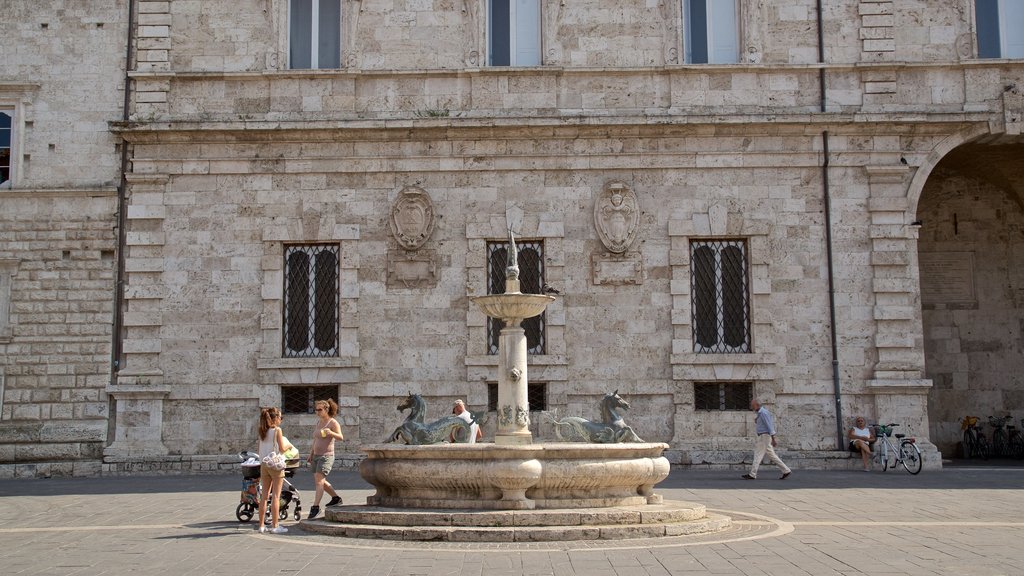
(489, 20)
(1002, 27)
(279, 58)
(8, 270)
(685, 31)
(551, 367)
(760, 365)
(17, 98)
(276, 370)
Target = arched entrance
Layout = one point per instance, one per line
(971, 257)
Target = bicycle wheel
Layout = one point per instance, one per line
(884, 455)
(970, 445)
(999, 447)
(910, 456)
(1017, 446)
(983, 447)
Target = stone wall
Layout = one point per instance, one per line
(63, 76)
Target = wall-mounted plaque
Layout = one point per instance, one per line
(412, 269)
(624, 269)
(947, 277)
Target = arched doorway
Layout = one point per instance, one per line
(971, 256)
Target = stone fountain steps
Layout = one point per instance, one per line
(649, 521)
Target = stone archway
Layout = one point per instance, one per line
(971, 261)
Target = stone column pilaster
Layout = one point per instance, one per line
(513, 403)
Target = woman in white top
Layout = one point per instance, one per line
(271, 440)
(861, 437)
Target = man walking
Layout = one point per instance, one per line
(765, 442)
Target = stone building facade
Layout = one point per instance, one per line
(732, 199)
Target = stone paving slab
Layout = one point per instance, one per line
(960, 520)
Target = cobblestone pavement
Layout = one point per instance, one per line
(961, 520)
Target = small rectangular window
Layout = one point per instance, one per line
(711, 31)
(311, 306)
(536, 396)
(6, 140)
(531, 280)
(722, 395)
(314, 34)
(513, 32)
(719, 295)
(1000, 28)
(300, 399)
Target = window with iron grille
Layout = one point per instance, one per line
(531, 279)
(311, 301)
(722, 395)
(536, 396)
(300, 399)
(721, 305)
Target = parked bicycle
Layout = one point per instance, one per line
(904, 451)
(1000, 441)
(1015, 440)
(975, 444)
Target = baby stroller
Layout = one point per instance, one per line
(252, 491)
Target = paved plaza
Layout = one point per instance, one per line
(960, 520)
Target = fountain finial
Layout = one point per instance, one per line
(512, 270)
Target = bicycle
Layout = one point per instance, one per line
(1016, 440)
(1000, 441)
(975, 445)
(905, 452)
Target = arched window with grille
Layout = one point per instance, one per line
(311, 301)
(720, 296)
(531, 279)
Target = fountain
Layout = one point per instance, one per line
(514, 489)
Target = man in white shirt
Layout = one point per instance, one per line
(459, 409)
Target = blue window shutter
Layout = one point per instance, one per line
(986, 17)
(696, 31)
(498, 29)
(300, 24)
(329, 50)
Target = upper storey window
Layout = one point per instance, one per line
(1000, 28)
(711, 31)
(513, 32)
(6, 137)
(314, 34)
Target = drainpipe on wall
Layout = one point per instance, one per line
(826, 193)
(122, 207)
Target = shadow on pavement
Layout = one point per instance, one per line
(967, 474)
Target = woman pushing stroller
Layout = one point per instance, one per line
(321, 457)
(271, 440)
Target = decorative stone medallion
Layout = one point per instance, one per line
(412, 217)
(617, 217)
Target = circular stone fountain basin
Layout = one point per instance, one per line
(514, 477)
(513, 305)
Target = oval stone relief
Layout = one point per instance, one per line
(617, 217)
(412, 217)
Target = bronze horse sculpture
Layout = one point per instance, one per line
(415, 431)
(611, 430)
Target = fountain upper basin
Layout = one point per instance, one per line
(514, 477)
(513, 305)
